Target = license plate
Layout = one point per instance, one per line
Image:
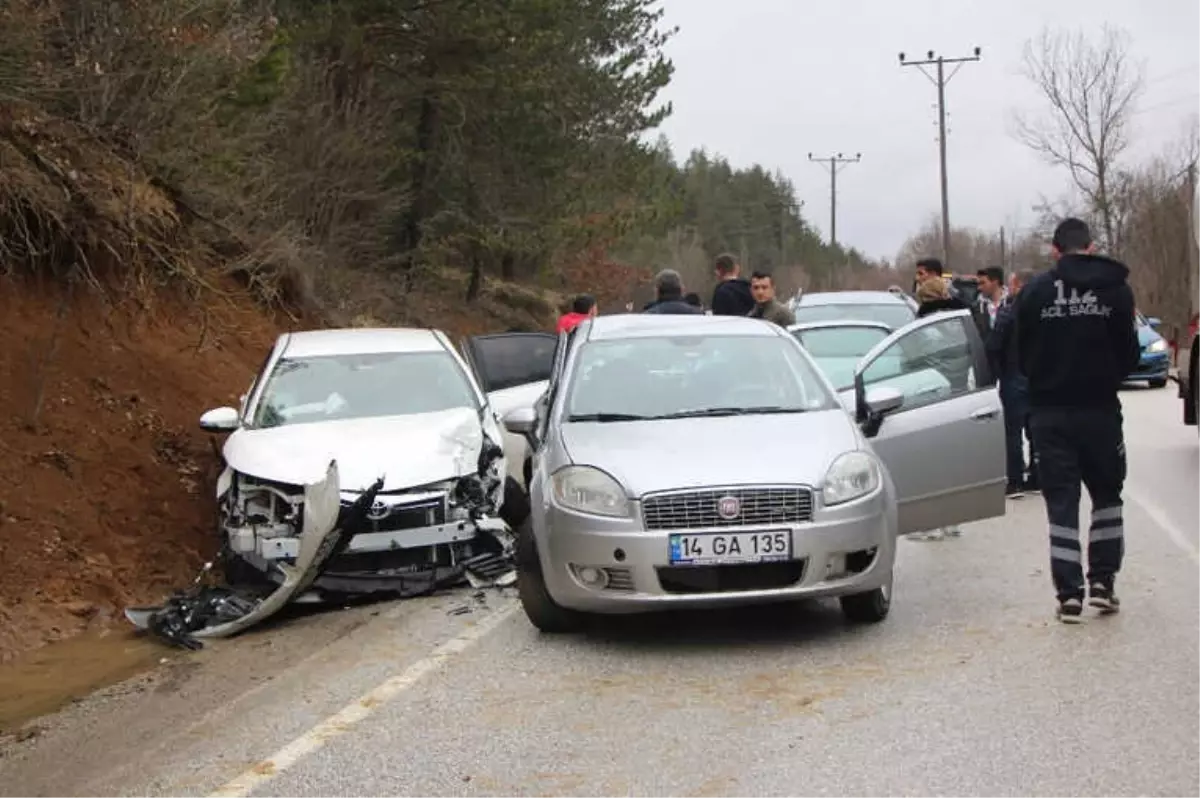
(720, 548)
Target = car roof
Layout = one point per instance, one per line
(850, 298)
(649, 325)
(360, 341)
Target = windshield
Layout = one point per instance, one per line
(838, 350)
(675, 377)
(893, 314)
(340, 387)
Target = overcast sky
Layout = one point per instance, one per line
(768, 81)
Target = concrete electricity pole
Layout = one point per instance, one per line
(940, 81)
(832, 163)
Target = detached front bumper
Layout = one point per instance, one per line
(845, 550)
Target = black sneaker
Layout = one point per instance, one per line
(1013, 492)
(1104, 598)
(1070, 611)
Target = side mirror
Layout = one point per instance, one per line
(871, 406)
(1154, 321)
(882, 400)
(520, 420)
(221, 419)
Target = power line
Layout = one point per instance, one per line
(831, 164)
(940, 80)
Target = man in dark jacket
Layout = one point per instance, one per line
(732, 296)
(1014, 388)
(1076, 342)
(668, 296)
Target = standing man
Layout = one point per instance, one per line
(1076, 341)
(766, 306)
(992, 292)
(582, 308)
(668, 296)
(928, 268)
(732, 295)
(1014, 388)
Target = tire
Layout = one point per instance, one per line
(541, 609)
(1157, 383)
(516, 507)
(872, 606)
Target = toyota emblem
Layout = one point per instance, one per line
(379, 510)
(728, 507)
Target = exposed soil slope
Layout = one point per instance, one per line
(108, 500)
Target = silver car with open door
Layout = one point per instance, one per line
(691, 462)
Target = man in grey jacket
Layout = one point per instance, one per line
(668, 296)
(766, 306)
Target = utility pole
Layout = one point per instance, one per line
(940, 81)
(1003, 252)
(832, 163)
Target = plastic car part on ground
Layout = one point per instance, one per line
(208, 611)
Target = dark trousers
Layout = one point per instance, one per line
(1015, 399)
(1081, 446)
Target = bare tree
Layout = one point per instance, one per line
(1090, 88)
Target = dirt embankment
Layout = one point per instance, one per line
(105, 499)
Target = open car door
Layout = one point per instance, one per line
(512, 369)
(944, 442)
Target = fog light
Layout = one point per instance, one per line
(592, 577)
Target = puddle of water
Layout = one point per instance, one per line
(50, 677)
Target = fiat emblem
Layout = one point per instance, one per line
(728, 507)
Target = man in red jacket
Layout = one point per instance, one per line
(584, 307)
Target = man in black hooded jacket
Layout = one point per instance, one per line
(1076, 342)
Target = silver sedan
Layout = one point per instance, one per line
(707, 461)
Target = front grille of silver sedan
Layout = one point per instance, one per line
(714, 507)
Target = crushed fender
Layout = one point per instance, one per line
(205, 611)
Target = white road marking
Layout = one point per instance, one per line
(1177, 535)
(342, 721)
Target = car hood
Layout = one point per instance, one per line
(648, 456)
(406, 450)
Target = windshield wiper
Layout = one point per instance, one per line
(607, 417)
(708, 412)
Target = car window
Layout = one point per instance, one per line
(893, 314)
(929, 364)
(838, 350)
(512, 359)
(340, 387)
(658, 376)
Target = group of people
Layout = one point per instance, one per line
(733, 296)
(1060, 342)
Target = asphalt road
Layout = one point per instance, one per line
(969, 688)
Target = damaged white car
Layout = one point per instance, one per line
(397, 405)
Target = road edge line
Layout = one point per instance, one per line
(358, 710)
(1177, 536)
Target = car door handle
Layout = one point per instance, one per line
(985, 414)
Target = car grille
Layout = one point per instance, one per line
(400, 515)
(700, 509)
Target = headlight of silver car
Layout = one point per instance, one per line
(852, 475)
(589, 490)
(1158, 346)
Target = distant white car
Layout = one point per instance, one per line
(401, 405)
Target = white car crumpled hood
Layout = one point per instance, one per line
(406, 450)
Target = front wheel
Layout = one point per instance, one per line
(869, 607)
(540, 607)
